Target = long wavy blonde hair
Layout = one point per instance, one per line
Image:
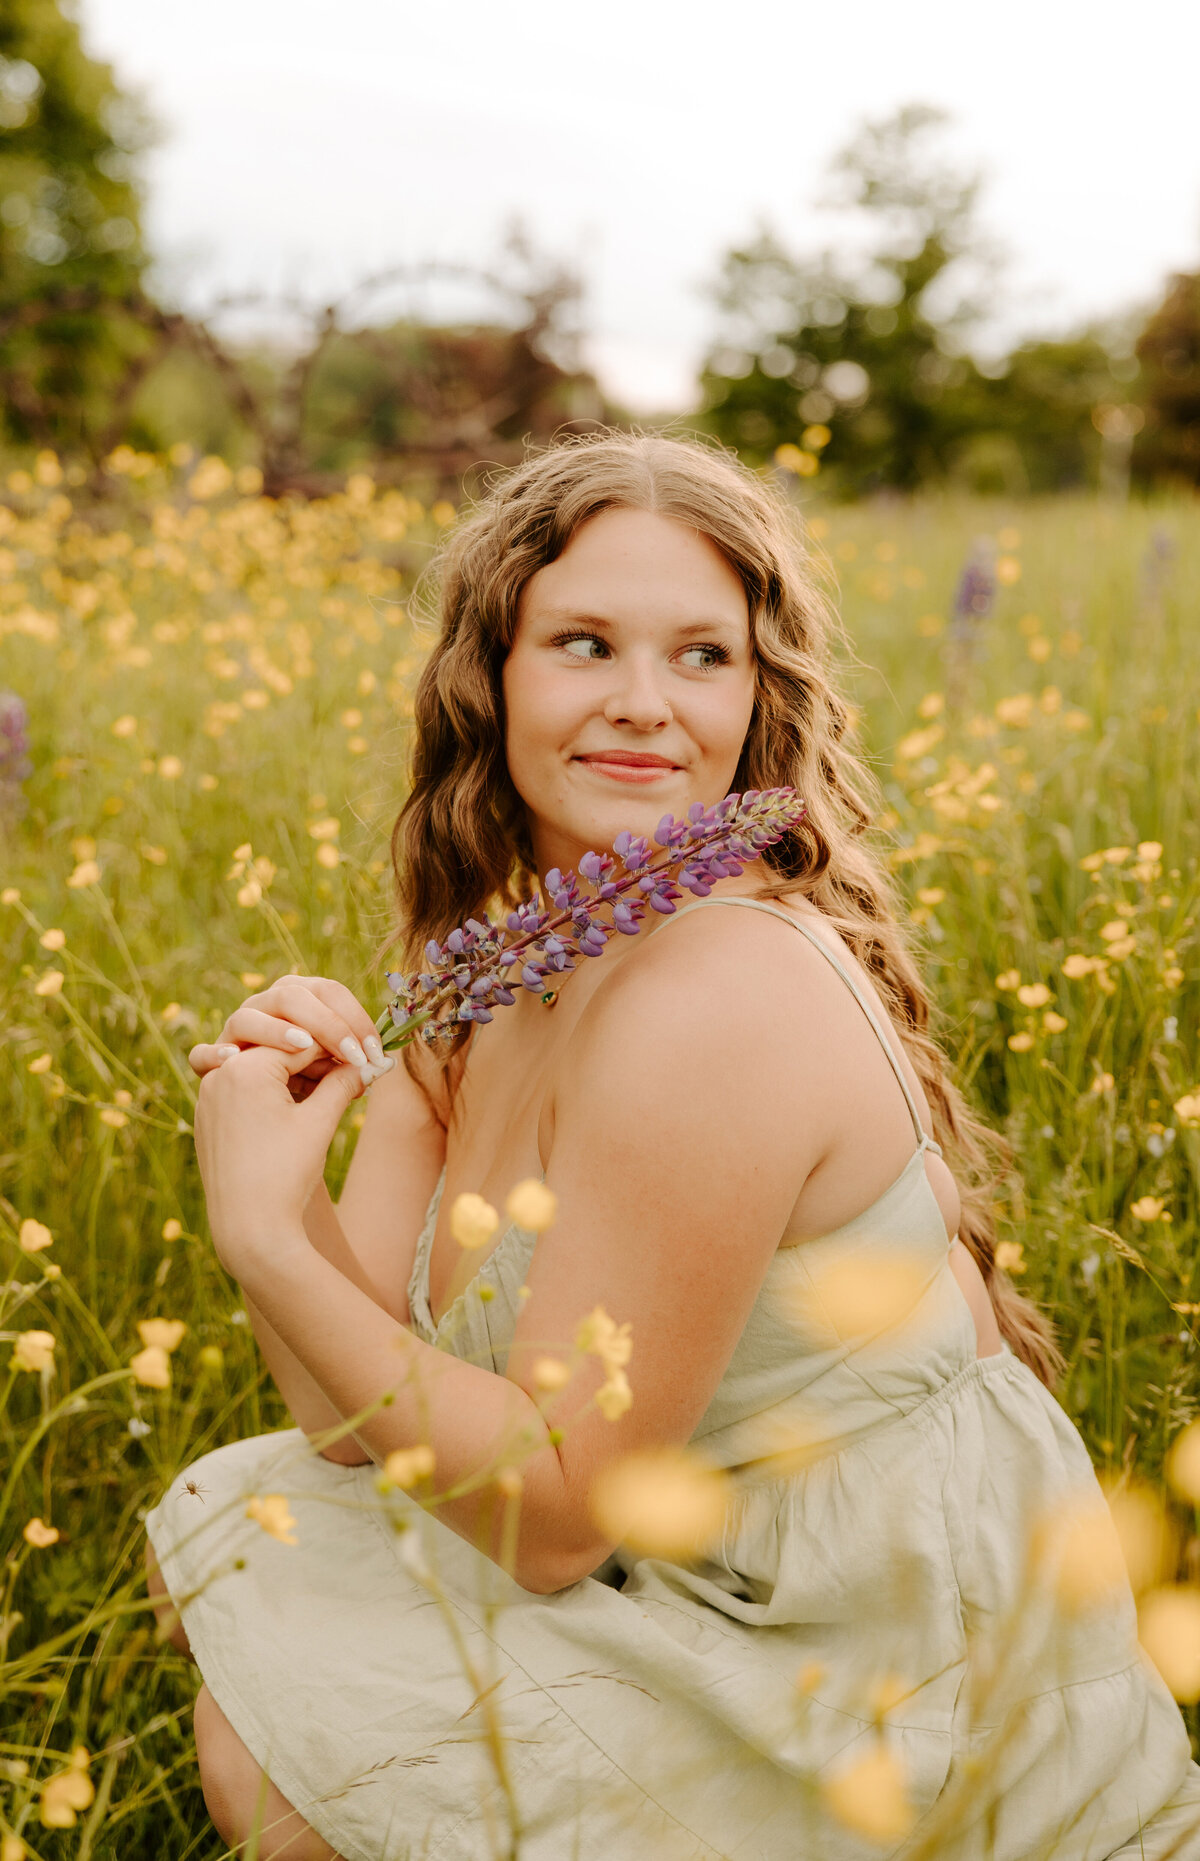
(461, 844)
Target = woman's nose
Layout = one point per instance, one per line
(638, 698)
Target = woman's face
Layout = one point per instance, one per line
(660, 666)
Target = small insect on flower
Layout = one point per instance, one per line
(195, 1489)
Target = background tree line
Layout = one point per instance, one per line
(859, 369)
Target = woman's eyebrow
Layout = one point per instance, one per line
(554, 616)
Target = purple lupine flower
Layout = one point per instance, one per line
(14, 755)
(468, 970)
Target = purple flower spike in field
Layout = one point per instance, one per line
(14, 755)
(480, 964)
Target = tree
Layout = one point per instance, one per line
(864, 363)
(70, 239)
(1168, 349)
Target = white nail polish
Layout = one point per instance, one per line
(353, 1051)
(226, 1052)
(296, 1037)
(374, 1047)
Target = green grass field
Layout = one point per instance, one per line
(218, 692)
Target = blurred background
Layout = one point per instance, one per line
(927, 250)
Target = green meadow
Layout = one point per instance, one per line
(218, 691)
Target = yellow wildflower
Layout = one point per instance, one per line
(1149, 849)
(42, 1064)
(1169, 1631)
(1016, 711)
(1008, 979)
(660, 1501)
(33, 1235)
(406, 1465)
(1147, 1208)
(50, 983)
(53, 939)
(109, 1115)
(1182, 1464)
(66, 1792)
(125, 726)
(610, 1342)
(472, 1220)
(869, 1795)
(271, 1512)
(510, 1482)
(1173, 977)
(1021, 1043)
(212, 1357)
(172, 1230)
(1187, 1109)
(163, 1332)
(86, 873)
(1054, 1023)
(38, 1533)
(1033, 995)
(327, 855)
(1079, 965)
(532, 1205)
(10, 896)
(33, 1350)
(809, 1676)
(551, 1373)
(1010, 1256)
(152, 1367)
(614, 1397)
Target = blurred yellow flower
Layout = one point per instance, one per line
(406, 1465)
(125, 726)
(443, 513)
(1149, 849)
(10, 895)
(328, 856)
(1169, 1631)
(1010, 1256)
(41, 1064)
(12, 1848)
(152, 1367)
(1017, 711)
(1187, 1109)
(661, 1501)
(327, 829)
(612, 1343)
(1008, 979)
(212, 1357)
(1182, 1463)
(531, 1205)
(869, 1795)
(862, 1298)
(886, 1693)
(271, 1512)
(1173, 977)
(1079, 965)
(52, 939)
(170, 767)
(614, 1397)
(33, 1350)
(33, 1235)
(49, 983)
(1147, 1208)
(108, 1114)
(1022, 1042)
(931, 894)
(1008, 571)
(809, 1676)
(86, 873)
(1103, 1082)
(172, 1229)
(40, 1534)
(1146, 1532)
(163, 1332)
(1054, 1023)
(1076, 1543)
(932, 704)
(1033, 995)
(67, 1792)
(551, 1373)
(472, 1220)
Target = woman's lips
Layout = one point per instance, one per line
(627, 772)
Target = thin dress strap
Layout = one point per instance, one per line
(760, 904)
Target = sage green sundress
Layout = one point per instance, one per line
(859, 1607)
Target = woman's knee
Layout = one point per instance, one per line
(165, 1612)
(240, 1797)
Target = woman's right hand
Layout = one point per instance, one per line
(295, 1013)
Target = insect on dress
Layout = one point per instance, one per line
(862, 1666)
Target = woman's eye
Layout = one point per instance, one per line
(718, 655)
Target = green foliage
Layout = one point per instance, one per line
(70, 239)
(1169, 352)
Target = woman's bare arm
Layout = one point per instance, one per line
(369, 1235)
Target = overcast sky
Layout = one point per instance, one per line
(305, 145)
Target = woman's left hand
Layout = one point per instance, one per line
(262, 1153)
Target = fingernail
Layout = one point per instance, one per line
(374, 1047)
(353, 1051)
(226, 1052)
(368, 1075)
(296, 1037)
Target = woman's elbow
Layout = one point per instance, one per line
(547, 1568)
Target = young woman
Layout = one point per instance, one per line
(741, 1123)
